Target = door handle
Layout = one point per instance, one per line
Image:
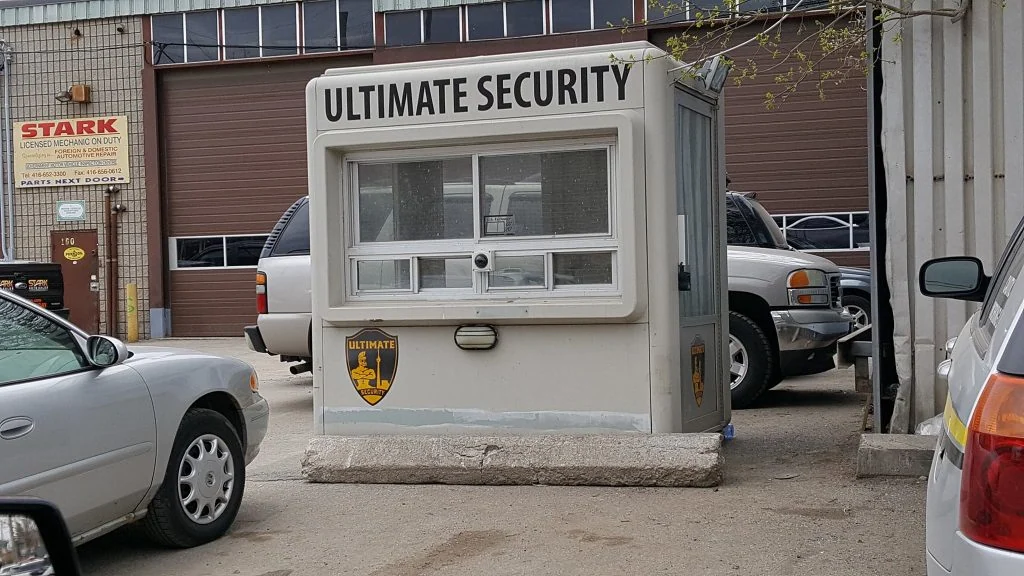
(683, 278)
(15, 427)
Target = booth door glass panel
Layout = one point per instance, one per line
(700, 259)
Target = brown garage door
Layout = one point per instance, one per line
(234, 158)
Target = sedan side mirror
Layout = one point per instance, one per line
(43, 534)
(105, 351)
(957, 278)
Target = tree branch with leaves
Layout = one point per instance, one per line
(824, 43)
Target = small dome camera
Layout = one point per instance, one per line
(482, 261)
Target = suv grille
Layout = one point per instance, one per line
(833, 291)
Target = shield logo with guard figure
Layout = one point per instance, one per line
(697, 369)
(372, 359)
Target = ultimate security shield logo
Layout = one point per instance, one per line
(372, 359)
(697, 369)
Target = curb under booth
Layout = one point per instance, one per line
(519, 271)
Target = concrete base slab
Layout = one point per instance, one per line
(895, 455)
(693, 460)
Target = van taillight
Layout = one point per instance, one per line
(992, 490)
(261, 293)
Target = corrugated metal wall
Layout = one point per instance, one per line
(953, 147)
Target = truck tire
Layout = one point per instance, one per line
(752, 360)
(859, 307)
(206, 446)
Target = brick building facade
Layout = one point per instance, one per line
(107, 55)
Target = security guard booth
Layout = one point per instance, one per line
(525, 243)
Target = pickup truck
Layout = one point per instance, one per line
(749, 224)
(784, 311)
(41, 283)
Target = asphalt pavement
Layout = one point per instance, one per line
(790, 505)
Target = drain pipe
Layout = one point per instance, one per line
(10, 149)
(5, 254)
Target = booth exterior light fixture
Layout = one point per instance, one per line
(476, 337)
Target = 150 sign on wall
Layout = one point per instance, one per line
(71, 152)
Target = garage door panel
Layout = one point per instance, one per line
(234, 158)
(214, 166)
(212, 303)
(234, 174)
(242, 145)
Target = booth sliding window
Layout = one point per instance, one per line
(542, 215)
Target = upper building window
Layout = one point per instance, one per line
(262, 31)
(442, 25)
(577, 15)
(201, 44)
(486, 21)
(510, 19)
(169, 39)
(330, 25)
(242, 33)
(433, 26)
(279, 34)
(666, 11)
(403, 28)
(180, 38)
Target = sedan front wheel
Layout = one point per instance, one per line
(203, 485)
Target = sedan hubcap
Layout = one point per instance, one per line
(206, 479)
(860, 316)
(738, 362)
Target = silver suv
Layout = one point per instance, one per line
(975, 511)
(284, 293)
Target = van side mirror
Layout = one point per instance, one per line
(41, 543)
(957, 278)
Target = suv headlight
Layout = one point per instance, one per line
(808, 288)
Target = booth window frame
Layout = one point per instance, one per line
(499, 246)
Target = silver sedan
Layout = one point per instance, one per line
(113, 436)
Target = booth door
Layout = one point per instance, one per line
(702, 263)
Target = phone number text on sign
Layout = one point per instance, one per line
(71, 152)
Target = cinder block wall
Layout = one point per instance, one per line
(108, 56)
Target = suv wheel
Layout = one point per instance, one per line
(751, 360)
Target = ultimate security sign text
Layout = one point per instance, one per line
(464, 94)
(71, 152)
